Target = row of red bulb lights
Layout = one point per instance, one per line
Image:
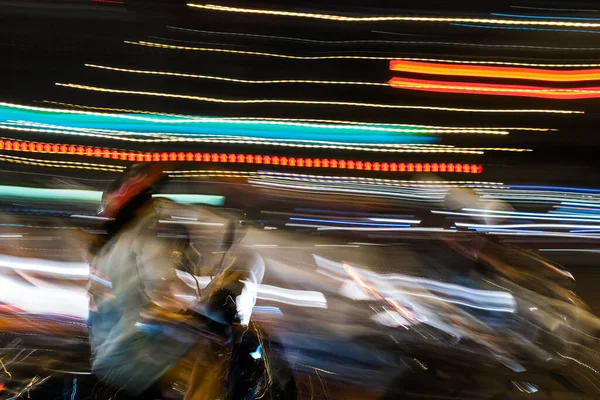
(18, 145)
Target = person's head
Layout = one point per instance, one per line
(132, 188)
(124, 197)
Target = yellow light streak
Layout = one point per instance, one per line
(445, 129)
(235, 80)
(309, 102)
(341, 18)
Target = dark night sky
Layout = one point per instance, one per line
(48, 41)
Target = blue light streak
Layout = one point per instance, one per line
(523, 28)
(544, 17)
(580, 204)
(503, 230)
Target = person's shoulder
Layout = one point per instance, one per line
(165, 208)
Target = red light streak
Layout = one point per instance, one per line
(494, 89)
(260, 159)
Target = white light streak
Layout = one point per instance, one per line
(571, 250)
(399, 221)
(48, 301)
(187, 222)
(520, 226)
(514, 216)
(342, 18)
(59, 268)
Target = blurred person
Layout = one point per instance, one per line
(511, 262)
(134, 280)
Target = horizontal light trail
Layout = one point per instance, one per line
(309, 102)
(373, 192)
(60, 164)
(495, 72)
(521, 28)
(518, 226)
(341, 179)
(513, 216)
(544, 17)
(357, 223)
(306, 162)
(533, 215)
(495, 89)
(391, 18)
(443, 129)
(396, 42)
(350, 57)
(235, 80)
(225, 139)
(94, 196)
(546, 234)
(572, 250)
(245, 140)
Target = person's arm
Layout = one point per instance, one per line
(158, 277)
(234, 290)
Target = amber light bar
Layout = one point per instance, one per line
(304, 162)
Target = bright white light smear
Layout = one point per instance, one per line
(253, 291)
(52, 301)
(78, 270)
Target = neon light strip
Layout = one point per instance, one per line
(53, 148)
(494, 90)
(495, 72)
(341, 18)
(308, 102)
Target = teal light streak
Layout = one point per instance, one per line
(195, 199)
(93, 196)
(87, 196)
(290, 131)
